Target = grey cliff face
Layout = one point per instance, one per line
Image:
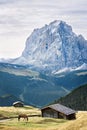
(55, 46)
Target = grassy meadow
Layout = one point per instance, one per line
(37, 122)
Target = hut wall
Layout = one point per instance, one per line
(49, 113)
(71, 116)
(61, 115)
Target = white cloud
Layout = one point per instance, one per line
(18, 18)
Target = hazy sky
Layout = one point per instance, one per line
(18, 18)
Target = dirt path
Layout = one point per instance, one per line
(3, 120)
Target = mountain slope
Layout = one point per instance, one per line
(77, 99)
(54, 47)
(36, 88)
(8, 100)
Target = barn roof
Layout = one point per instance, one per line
(61, 108)
(18, 102)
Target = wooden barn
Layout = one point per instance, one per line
(18, 104)
(58, 111)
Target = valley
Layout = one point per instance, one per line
(36, 88)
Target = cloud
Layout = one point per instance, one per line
(3, 2)
(18, 18)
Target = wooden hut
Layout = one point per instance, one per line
(58, 111)
(18, 104)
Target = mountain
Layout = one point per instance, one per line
(53, 63)
(77, 99)
(54, 47)
(35, 88)
(8, 100)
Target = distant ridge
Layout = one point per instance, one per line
(34, 88)
(77, 99)
(8, 99)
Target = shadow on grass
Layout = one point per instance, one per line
(49, 120)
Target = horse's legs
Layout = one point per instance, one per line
(24, 118)
(27, 118)
(18, 118)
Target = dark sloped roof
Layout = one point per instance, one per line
(63, 109)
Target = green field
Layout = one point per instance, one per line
(36, 122)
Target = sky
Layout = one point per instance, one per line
(18, 19)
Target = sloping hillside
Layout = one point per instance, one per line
(37, 88)
(39, 123)
(79, 124)
(77, 99)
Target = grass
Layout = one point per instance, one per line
(39, 123)
(14, 111)
(34, 123)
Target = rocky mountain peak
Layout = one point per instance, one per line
(54, 46)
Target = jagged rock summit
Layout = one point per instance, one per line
(54, 47)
